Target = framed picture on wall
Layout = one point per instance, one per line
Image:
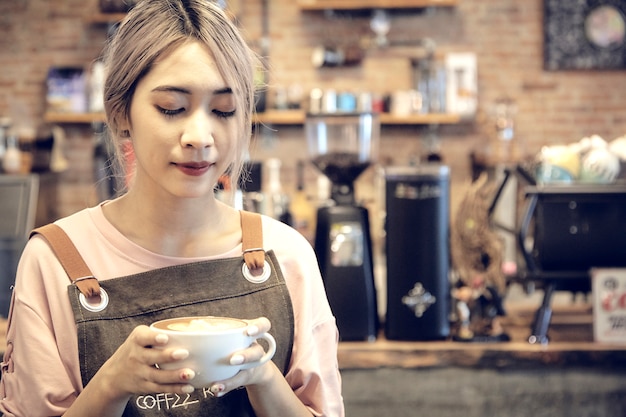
(584, 35)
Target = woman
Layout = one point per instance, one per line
(179, 92)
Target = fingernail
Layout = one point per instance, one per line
(180, 354)
(188, 389)
(188, 374)
(161, 338)
(236, 359)
(252, 330)
(217, 389)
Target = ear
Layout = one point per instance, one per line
(123, 128)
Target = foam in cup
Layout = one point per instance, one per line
(207, 324)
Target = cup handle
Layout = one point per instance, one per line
(268, 355)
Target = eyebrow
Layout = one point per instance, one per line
(171, 88)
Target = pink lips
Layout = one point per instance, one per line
(193, 168)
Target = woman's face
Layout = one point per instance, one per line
(182, 124)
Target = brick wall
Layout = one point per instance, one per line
(506, 35)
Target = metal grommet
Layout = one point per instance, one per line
(104, 302)
(257, 279)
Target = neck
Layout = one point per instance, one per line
(191, 227)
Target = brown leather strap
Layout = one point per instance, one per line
(70, 259)
(252, 240)
(80, 274)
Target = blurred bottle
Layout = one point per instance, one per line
(253, 198)
(302, 208)
(505, 147)
(12, 160)
(229, 194)
(278, 201)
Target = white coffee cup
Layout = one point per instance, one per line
(211, 341)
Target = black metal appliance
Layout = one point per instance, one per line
(564, 231)
(417, 252)
(575, 227)
(342, 146)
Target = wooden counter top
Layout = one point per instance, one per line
(385, 353)
(571, 344)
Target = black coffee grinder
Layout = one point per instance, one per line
(342, 146)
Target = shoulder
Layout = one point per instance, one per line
(38, 249)
(80, 227)
(82, 222)
(39, 266)
(284, 239)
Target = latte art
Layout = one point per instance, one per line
(204, 325)
(201, 324)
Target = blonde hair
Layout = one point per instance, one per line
(150, 30)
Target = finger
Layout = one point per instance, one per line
(242, 379)
(144, 348)
(171, 376)
(177, 380)
(146, 337)
(178, 388)
(252, 354)
(221, 388)
(166, 355)
(158, 341)
(258, 326)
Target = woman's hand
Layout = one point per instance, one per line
(252, 376)
(132, 370)
(268, 391)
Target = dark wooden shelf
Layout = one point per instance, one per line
(404, 354)
(571, 334)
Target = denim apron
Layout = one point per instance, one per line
(107, 311)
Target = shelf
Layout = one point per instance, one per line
(296, 117)
(73, 118)
(372, 4)
(514, 355)
(274, 117)
(571, 344)
(420, 119)
(280, 117)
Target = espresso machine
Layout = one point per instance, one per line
(342, 146)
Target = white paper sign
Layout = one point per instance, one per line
(609, 304)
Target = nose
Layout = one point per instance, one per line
(198, 131)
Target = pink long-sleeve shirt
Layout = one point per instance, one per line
(42, 372)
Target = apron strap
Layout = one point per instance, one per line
(80, 274)
(77, 270)
(252, 240)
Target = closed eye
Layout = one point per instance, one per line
(170, 112)
(224, 114)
